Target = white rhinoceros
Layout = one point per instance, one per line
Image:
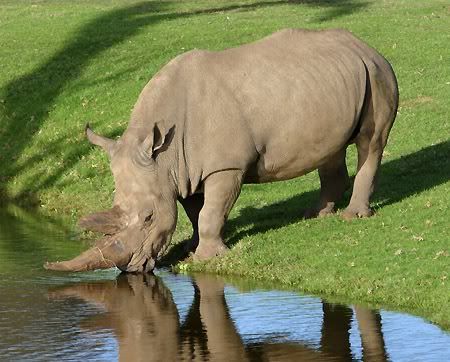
(211, 121)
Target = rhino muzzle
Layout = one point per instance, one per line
(110, 251)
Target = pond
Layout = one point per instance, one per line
(106, 315)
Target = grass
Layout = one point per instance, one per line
(64, 63)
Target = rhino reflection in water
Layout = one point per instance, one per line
(209, 122)
(142, 314)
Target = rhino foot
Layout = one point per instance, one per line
(319, 212)
(206, 251)
(351, 213)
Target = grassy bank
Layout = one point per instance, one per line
(65, 63)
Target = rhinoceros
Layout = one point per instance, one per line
(210, 121)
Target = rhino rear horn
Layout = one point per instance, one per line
(107, 222)
(106, 143)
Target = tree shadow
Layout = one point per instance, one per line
(28, 99)
(333, 8)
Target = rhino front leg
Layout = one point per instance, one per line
(221, 191)
(223, 341)
(192, 206)
(334, 181)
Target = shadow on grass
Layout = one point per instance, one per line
(27, 100)
(399, 179)
(333, 9)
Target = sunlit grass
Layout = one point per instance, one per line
(64, 63)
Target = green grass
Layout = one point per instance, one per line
(64, 63)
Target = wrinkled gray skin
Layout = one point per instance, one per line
(209, 121)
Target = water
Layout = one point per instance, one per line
(106, 316)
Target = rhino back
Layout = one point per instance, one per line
(276, 108)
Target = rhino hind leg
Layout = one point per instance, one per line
(221, 192)
(376, 122)
(334, 181)
(369, 159)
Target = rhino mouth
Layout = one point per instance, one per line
(111, 251)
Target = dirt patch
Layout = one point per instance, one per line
(410, 103)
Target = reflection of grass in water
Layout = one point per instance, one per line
(28, 238)
(89, 60)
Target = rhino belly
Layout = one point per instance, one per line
(281, 160)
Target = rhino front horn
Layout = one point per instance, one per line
(106, 143)
(111, 254)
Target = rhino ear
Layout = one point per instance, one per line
(156, 141)
(106, 143)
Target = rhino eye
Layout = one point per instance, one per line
(148, 218)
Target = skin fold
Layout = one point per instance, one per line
(209, 122)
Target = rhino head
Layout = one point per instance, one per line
(138, 227)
